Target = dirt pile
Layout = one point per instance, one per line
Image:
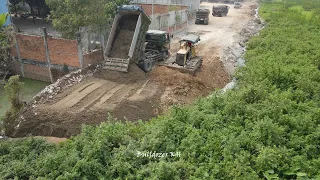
(64, 82)
(181, 83)
(133, 75)
(123, 41)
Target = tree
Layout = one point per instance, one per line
(14, 3)
(13, 90)
(5, 39)
(69, 16)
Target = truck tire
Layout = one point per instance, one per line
(147, 65)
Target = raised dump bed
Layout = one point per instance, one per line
(126, 40)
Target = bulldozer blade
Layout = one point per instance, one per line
(191, 67)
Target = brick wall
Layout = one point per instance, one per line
(32, 71)
(61, 51)
(92, 58)
(36, 72)
(160, 9)
(31, 47)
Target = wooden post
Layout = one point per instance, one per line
(80, 53)
(152, 9)
(44, 33)
(18, 52)
(102, 42)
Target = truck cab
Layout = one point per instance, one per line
(220, 10)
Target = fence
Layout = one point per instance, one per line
(191, 4)
(47, 58)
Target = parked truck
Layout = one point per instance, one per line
(220, 10)
(126, 42)
(202, 16)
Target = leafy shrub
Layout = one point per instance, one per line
(269, 127)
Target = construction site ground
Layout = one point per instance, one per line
(136, 95)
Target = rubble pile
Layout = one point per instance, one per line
(66, 81)
(232, 54)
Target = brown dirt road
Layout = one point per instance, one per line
(136, 95)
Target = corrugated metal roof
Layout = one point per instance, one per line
(191, 37)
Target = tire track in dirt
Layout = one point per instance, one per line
(94, 96)
(78, 95)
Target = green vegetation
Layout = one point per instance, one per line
(266, 128)
(68, 16)
(13, 91)
(30, 89)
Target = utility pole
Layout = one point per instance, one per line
(152, 15)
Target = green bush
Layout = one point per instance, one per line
(13, 91)
(267, 128)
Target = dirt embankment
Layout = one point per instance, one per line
(88, 99)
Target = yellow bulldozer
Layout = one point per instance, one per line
(186, 59)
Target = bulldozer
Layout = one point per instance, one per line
(186, 59)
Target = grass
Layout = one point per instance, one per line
(31, 88)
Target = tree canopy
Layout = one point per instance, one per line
(68, 16)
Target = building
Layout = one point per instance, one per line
(169, 15)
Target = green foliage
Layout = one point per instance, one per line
(13, 91)
(68, 16)
(267, 128)
(3, 18)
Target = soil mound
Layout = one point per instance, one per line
(133, 75)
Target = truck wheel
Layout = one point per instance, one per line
(147, 65)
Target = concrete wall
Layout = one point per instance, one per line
(191, 4)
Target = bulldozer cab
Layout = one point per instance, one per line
(187, 50)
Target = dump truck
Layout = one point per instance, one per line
(157, 45)
(126, 42)
(202, 16)
(220, 10)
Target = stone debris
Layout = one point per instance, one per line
(66, 81)
(231, 55)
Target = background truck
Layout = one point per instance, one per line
(202, 16)
(126, 42)
(220, 10)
